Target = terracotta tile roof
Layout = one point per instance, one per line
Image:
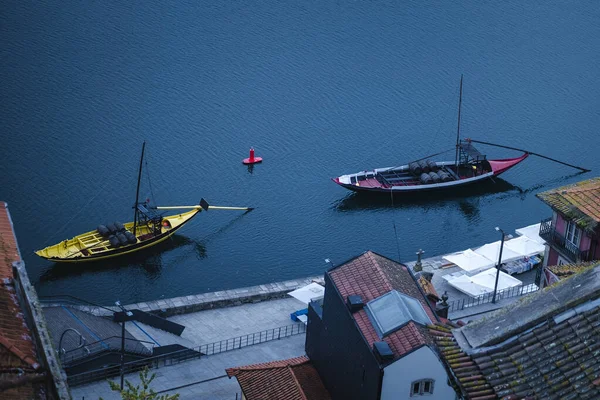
(469, 377)
(579, 202)
(17, 350)
(293, 379)
(551, 354)
(566, 270)
(370, 276)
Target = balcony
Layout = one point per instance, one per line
(558, 242)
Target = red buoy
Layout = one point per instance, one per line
(252, 159)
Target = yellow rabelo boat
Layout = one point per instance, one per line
(147, 229)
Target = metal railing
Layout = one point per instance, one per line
(461, 304)
(252, 339)
(112, 343)
(549, 233)
(187, 354)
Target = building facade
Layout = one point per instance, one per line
(368, 337)
(572, 233)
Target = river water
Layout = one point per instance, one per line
(319, 88)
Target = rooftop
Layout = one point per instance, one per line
(533, 309)
(565, 270)
(293, 379)
(371, 276)
(19, 366)
(544, 346)
(580, 202)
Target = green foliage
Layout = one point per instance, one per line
(141, 391)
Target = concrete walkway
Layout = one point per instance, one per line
(183, 378)
(211, 326)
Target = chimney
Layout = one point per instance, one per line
(442, 308)
(382, 352)
(354, 303)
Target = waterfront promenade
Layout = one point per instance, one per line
(213, 317)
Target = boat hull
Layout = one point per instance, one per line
(371, 184)
(70, 251)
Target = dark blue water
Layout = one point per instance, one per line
(319, 88)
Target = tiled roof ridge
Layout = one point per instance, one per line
(423, 299)
(461, 366)
(269, 365)
(17, 352)
(581, 185)
(298, 386)
(383, 275)
(423, 333)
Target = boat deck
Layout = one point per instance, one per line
(395, 177)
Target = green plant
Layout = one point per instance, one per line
(144, 392)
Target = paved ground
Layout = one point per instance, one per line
(211, 326)
(207, 327)
(183, 378)
(222, 323)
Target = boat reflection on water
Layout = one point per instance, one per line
(150, 260)
(365, 201)
(468, 200)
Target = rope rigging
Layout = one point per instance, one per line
(75, 215)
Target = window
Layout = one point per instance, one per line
(422, 387)
(390, 311)
(573, 234)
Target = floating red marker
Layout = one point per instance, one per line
(252, 159)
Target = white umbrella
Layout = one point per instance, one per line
(525, 246)
(532, 232)
(491, 251)
(487, 279)
(306, 293)
(469, 261)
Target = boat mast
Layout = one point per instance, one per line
(458, 126)
(137, 192)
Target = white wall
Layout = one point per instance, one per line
(420, 364)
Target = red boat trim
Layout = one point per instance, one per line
(499, 166)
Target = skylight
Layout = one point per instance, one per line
(392, 310)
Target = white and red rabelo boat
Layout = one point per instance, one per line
(469, 167)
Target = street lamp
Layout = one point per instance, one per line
(128, 316)
(499, 263)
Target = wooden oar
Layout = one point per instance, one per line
(200, 207)
(204, 206)
(532, 153)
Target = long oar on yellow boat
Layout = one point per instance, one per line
(204, 206)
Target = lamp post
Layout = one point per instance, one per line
(499, 263)
(128, 315)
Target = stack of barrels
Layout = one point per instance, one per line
(116, 234)
(428, 172)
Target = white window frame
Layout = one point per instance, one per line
(417, 388)
(573, 234)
